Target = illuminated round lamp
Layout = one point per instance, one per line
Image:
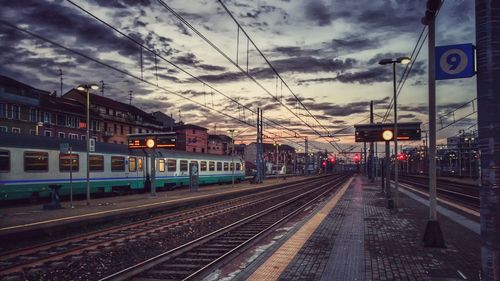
(150, 143)
(387, 135)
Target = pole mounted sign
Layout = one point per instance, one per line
(455, 61)
(409, 131)
(151, 141)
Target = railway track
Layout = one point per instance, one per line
(38, 255)
(465, 194)
(193, 260)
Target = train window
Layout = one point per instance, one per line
(211, 166)
(226, 166)
(139, 164)
(67, 164)
(231, 166)
(117, 164)
(96, 163)
(219, 166)
(36, 161)
(161, 165)
(132, 164)
(238, 167)
(171, 165)
(4, 161)
(183, 165)
(203, 165)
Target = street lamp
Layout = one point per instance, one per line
(401, 60)
(232, 131)
(86, 89)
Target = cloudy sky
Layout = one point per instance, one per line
(196, 67)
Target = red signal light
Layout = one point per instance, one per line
(356, 158)
(324, 163)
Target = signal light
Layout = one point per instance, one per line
(323, 163)
(356, 158)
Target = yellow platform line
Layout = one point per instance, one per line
(274, 266)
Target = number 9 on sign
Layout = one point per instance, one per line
(453, 61)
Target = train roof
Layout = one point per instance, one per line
(51, 143)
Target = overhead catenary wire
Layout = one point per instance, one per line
(215, 47)
(157, 55)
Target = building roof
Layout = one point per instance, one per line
(114, 104)
(29, 90)
(189, 126)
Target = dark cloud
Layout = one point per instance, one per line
(336, 110)
(122, 3)
(192, 93)
(407, 116)
(318, 12)
(354, 43)
(191, 60)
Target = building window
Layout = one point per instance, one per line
(46, 117)
(67, 163)
(203, 150)
(203, 165)
(4, 161)
(3, 129)
(33, 115)
(161, 165)
(132, 164)
(33, 132)
(107, 111)
(121, 129)
(73, 136)
(171, 165)
(3, 110)
(117, 164)
(62, 135)
(15, 112)
(84, 137)
(47, 133)
(114, 126)
(194, 149)
(130, 129)
(194, 131)
(140, 130)
(183, 165)
(16, 130)
(71, 122)
(105, 126)
(94, 125)
(36, 161)
(211, 166)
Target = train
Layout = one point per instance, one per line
(30, 165)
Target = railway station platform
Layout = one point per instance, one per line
(24, 219)
(355, 237)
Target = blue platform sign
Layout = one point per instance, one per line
(455, 61)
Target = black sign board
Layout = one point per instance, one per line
(155, 140)
(373, 132)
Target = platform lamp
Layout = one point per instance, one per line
(86, 89)
(232, 131)
(400, 60)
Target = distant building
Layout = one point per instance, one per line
(219, 144)
(118, 119)
(23, 109)
(168, 122)
(270, 153)
(191, 138)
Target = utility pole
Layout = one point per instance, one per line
(306, 144)
(433, 237)
(488, 100)
(102, 87)
(130, 97)
(371, 165)
(61, 74)
(259, 163)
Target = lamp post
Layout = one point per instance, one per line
(401, 60)
(86, 89)
(232, 131)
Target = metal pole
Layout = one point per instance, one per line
(88, 146)
(71, 177)
(232, 155)
(396, 164)
(433, 236)
(371, 158)
(387, 167)
(153, 173)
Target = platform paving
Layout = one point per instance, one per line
(360, 239)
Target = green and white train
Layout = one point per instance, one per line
(29, 164)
